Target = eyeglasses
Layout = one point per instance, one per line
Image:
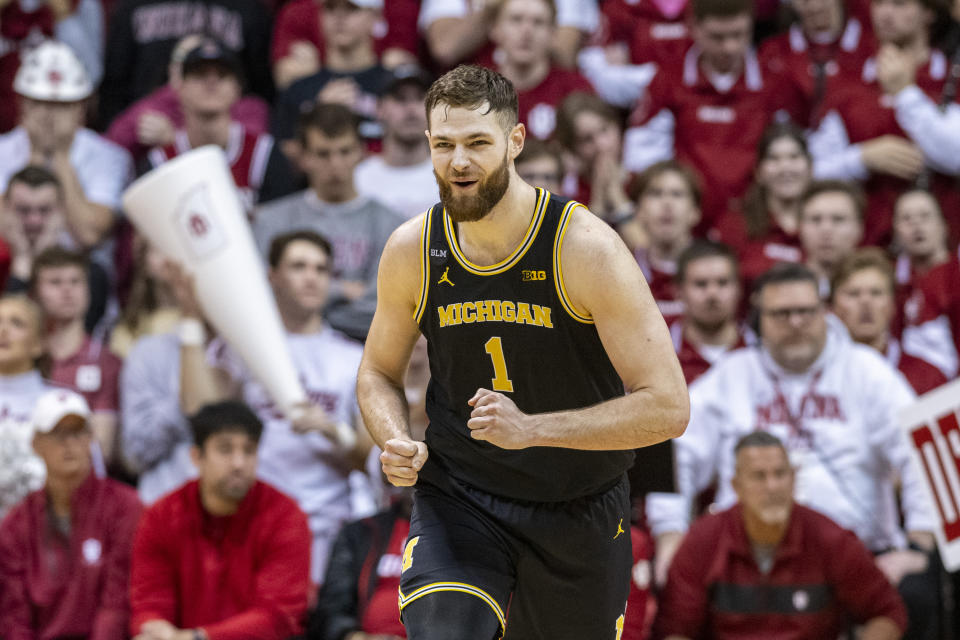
(805, 314)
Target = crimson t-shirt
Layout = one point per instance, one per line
(93, 372)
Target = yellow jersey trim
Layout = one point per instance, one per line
(543, 197)
(579, 316)
(424, 266)
(455, 586)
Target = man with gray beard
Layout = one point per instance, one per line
(775, 569)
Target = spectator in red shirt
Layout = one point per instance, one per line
(152, 121)
(765, 230)
(935, 333)
(80, 362)
(831, 226)
(822, 47)
(709, 289)
(770, 569)
(523, 32)
(65, 550)
(668, 207)
(920, 233)
(209, 85)
(886, 129)
(713, 102)
(863, 298)
(619, 59)
(298, 48)
(225, 557)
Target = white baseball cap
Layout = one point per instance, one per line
(55, 405)
(52, 72)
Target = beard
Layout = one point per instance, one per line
(711, 320)
(464, 208)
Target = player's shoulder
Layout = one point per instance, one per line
(401, 261)
(406, 238)
(587, 237)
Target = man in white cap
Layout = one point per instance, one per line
(53, 87)
(65, 550)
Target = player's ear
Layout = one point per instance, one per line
(515, 140)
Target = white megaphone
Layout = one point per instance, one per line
(190, 210)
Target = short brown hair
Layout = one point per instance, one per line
(279, 244)
(55, 257)
(703, 9)
(861, 260)
(701, 249)
(471, 87)
(34, 177)
(330, 119)
(642, 183)
(851, 189)
(573, 105)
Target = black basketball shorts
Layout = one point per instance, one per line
(547, 571)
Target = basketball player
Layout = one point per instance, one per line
(537, 317)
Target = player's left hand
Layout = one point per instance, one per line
(496, 419)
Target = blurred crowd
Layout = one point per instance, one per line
(786, 173)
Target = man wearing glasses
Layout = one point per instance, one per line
(834, 405)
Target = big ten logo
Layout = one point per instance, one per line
(528, 275)
(939, 449)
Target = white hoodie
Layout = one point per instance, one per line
(848, 450)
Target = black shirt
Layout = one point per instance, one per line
(510, 327)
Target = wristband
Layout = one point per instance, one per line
(191, 333)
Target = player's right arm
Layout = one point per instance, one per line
(386, 354)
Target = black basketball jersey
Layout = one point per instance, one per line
(510, 327)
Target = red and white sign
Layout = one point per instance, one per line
(933, 429)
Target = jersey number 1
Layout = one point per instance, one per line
(494, 347)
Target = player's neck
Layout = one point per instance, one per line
(65, 338)
(400, 153)
(526, 76)
(357, 57)
(698, 334)
(493, 238)
(202, 130)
